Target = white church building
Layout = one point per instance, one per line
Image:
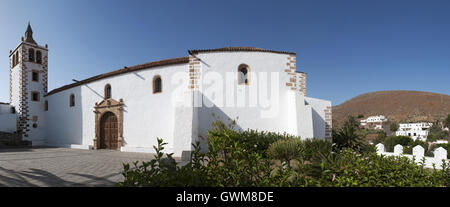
(175, 99)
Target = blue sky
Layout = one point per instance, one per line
(346, 47)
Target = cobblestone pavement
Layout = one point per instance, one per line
(60, 167)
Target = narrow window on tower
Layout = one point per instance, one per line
(72, 100)
(39, 57)
(46, 105)
(31, 55)
(35, 76)
(243, 75)
(157, 84)
(14, 60)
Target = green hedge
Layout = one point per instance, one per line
(251, 158)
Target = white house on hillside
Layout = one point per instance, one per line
(374, 122)
(414, 130)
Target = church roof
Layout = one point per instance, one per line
(123, 71)
(239, 49)
(162, 63)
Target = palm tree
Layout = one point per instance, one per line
(349, 136)
(447, 124)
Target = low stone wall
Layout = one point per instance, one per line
(8, 140)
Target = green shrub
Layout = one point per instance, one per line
(251, 140)
(411, 145)
(351, 169)
(162, 172)
(232, 163)
(445, 146)
(391, 141)
(349, 136)
(285, 150)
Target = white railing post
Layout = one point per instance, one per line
(380, 148)
(418, 152)
(398, 149)
(440, 154)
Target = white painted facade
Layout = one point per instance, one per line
(8, 118)
(181, 114)
(376, 122)
(414, 130)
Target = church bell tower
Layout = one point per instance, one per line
(28, 86)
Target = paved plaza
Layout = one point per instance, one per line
(60, 167)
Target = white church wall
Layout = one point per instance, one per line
(246, 115)
(8, 120)
(5, 109)
(64, 123)
(318, 114)
(304, 116)
(146, 116)
(185, 130)
(8, 123)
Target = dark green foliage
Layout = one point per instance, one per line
(391, 141)
(161, 172)
(445, 146)
(380, 138)
(408, 149)
(393, 126)
(349, 136)
(446, 124)
(350, 169)
(436, 132)
(285, 150)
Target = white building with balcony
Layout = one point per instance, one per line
(374, 122)
(414, 130)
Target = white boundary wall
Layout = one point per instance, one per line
(440, 155)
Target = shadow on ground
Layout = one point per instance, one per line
(41, 178)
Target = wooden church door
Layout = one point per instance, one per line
(109, 132)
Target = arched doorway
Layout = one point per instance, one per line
(109, 132)
(109, 124)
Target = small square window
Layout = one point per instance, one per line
(35, 96)
(35, 76)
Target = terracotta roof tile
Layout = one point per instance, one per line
(123, 71)
(238, 49)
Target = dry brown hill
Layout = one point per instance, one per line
(399, 106)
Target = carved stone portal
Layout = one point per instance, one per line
(100, 109)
